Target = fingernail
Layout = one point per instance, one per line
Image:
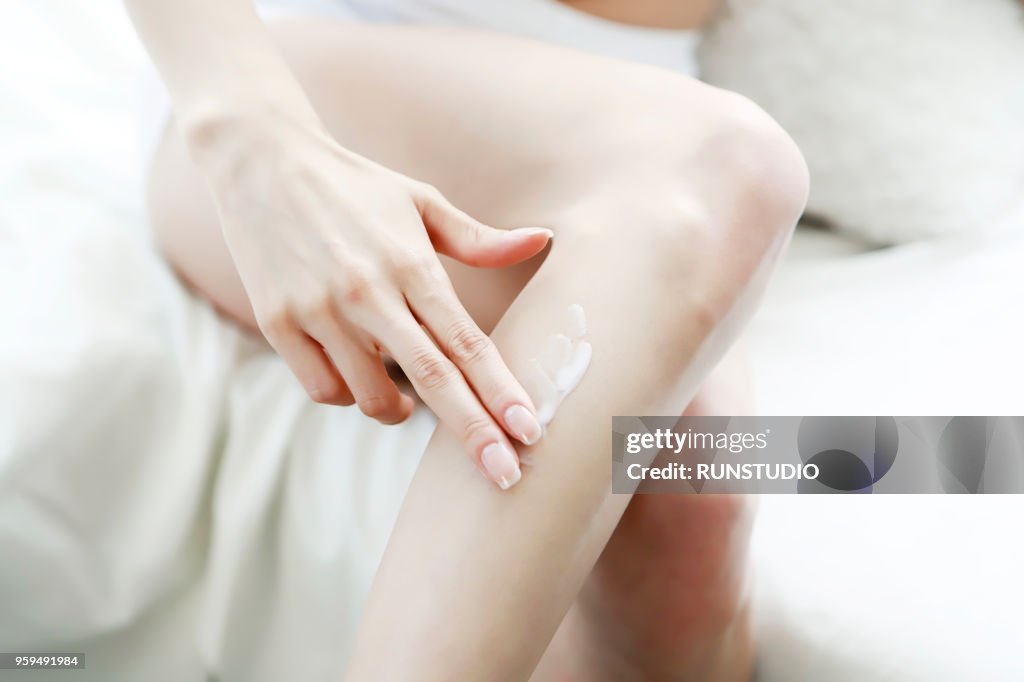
(501, 465)
(533, 231)
(523, 425)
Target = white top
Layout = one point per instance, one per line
(546, 20)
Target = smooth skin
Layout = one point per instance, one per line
(670, 202)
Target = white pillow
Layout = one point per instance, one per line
(910, 114)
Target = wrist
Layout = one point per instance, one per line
(226, 129)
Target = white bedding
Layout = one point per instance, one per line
(166, 492)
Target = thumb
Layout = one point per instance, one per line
(456, 234)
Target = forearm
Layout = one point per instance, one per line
(216, 58)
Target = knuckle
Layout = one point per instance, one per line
(466, 344)
(431, 370)
(472, 232)
(314, 307)
(318, 394)
(357, 286)
(327, 390)
(476, 428)
(415, 266)
(376, 406)
(326, 394)
(275, 324)
(429, 192)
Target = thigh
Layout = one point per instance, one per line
(515, 132)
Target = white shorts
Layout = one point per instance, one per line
(545, 20)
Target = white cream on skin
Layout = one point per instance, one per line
(560, 366)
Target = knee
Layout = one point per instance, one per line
(749, 165)
(708, 155)
(732, 182)
(703, 197)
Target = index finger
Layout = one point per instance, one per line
(476, 356)
(443, 388)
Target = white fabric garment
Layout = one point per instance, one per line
(546, 20)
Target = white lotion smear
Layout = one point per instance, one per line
(543, 392)
(570, 375)
(556, 353)
(577, 321)
(560, 366)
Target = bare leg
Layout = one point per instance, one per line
(532, 550)
(666, 196)
(668, 599)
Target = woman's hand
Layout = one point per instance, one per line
(338, 256)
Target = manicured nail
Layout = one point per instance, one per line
(533, 231)
(522, 424)
(501, 465)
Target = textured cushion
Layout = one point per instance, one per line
(910, 114)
